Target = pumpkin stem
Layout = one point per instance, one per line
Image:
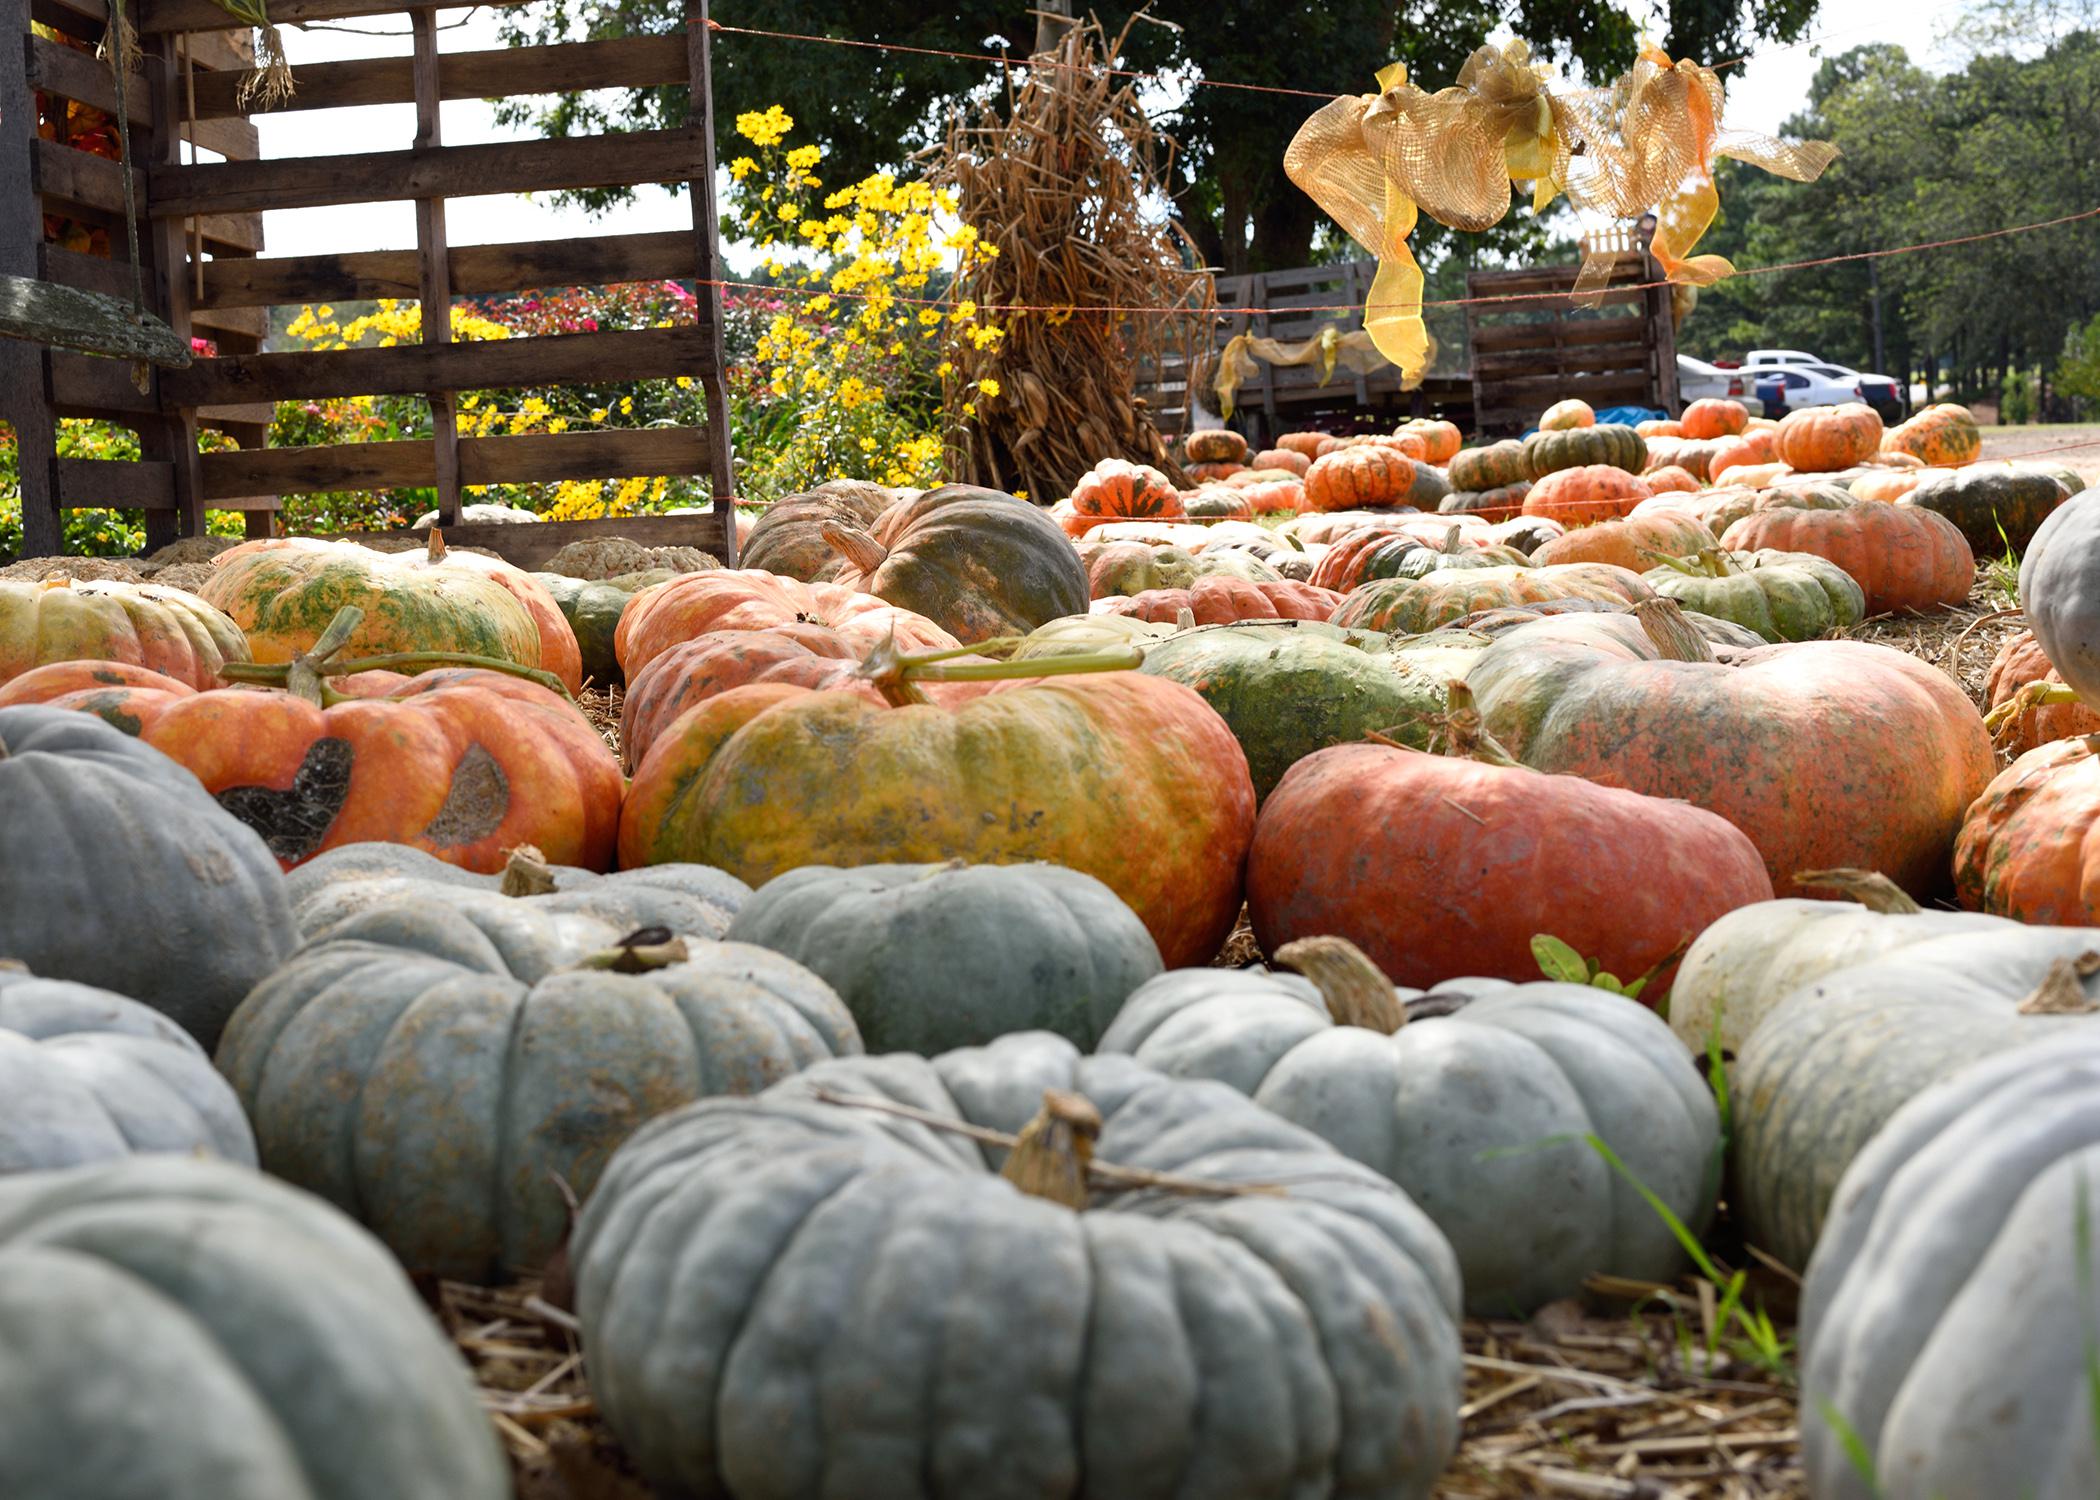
(637, 953)
(527, 873)
(436, 551)
(2034, 695)
(1461, 733)
(856, 546)
(1673, 636)
(1051, 1157)
(13, 966)
(1870, 888)
(1184, 618)
(303, 675)
(895, 673)
(1355, 989)
(2062, 990)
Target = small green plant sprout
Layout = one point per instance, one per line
(1561, 963)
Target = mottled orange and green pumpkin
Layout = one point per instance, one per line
(1904, 559)
(1409, 606)
(1611, 443)
(2020, 662)
(742, 599)
(789, 538)
(1751, 447)
(1497, 466)
(1943, 436)
(463, 764)
(1117, 490)
(1220, 502)
(1440, 440)
(1566, 416)
(283, 596)
(138, 624)
(1282, 459)
(1371, 476)
(55, 680)
(1129, 778)
(1712, 417)
(1824, 439)
(1364, 556)
(1115, 568)
(1212, 473)
(1305, 444)
(1670, 479)
(2030, 845)
(1217, 600)
(1632, 543)
(1215, 445)
(1586, 495)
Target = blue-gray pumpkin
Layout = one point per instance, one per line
(934, 957)
(433, 1068)
(86, 1075)
(796, 1297)
(117, 869)
(179, 1329)
(1478, 1098)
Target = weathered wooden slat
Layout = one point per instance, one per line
(89, 483)
(1600, 359)
(157, 16)
(707, 259)
(90, 273)
(529, 545)
(1625, 266)
(477, 270)
(538, 166)
(641, 354)
(534, 458)
(83, 386)
(213, 321)
(1550, 333)
(1536, 393)
(90, 187)
(625, 62)
(253, 414)
(22, 365)
(70, 73)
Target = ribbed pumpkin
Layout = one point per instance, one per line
(1282, 495)
(1223, 601)
(1445, 865)
(1670, 479)
(559, 651)
(1944, 436)
(1654, 428)
(2060, 592)
(1118, 490)
(1117, 568)
(593, 608)
(1203, 474)
(1630, 543)
(1364, 556)
(461, 763)
(1566, 416)
(1997, 507)
(1525, 533)
(1712, 417)
(1905, 559)
(1783, 596)
(1693, 457)
(1490, 505)
(1620, 447)
(1218, 502)
(136, 624)
(439, 1070)
(2029, 846)
(1407, 606)
(1886, 485)
(977, 562)
(1282, 459)
(1717, 509)
(1586, 495)
(692, 605)
(1367, 477)
(1823, 439)
(1827, 754)
(1305, 444)
(1440, 440)
(283, 596)
(2019, 663)
(1215, 445)
(789, 538)
(1491, 468)
(1753, 447)
(1128, 778)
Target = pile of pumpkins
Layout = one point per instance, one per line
(862, 998)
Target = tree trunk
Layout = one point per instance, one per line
(1283, 231)
(1235, 210)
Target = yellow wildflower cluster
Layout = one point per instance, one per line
(392, 321)
(597, 500)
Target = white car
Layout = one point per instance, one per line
(1697, 380)
(1791, 387)
(1779, 357)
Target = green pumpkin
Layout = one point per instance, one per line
(1225, 562)
(1082, 635)
(1783, 596)
(86, 1075)
(433, 1067)
(933, 957)
(117, 869)
(1606, 443)
(1506, 502)
(593, 607)
(1408, 606)
(181, 1329)
(1497, 466)
(978, 562)
(742, 1257)
(1429, 487)
(2072, 481)
(789, 538)
(1996, 507)
(1288, 688)
(1124, 568)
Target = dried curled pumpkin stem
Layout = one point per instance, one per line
(526, 873)
(1460, 731)
(1870, 888)
(1049, 1159)
(1674, 637)
(856, 546)
(2062, 990)
(2034, 695)
(1355, 989)
(637, 953)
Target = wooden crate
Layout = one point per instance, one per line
(193, 71)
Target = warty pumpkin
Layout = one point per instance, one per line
(1356, 478)
(1585, 495)
(2029, 848)
(87, 1075)
(662, 616)
(1479, 1100)
(1823, 439)
(1034, 1331)
(1129, 778)
(188, 1328)
(1826, 753)
(1215, 445)
(1407, 606)
(134, 624)
(2018, 664)
(1567, 416)
(119, 871)
(1118, 490)
(1944, 436)
(1216, 600)
(1902, 558)
(1628, 543)
(1610, 445)
(433, 1068)
(1713, 417)
(1996, 507)
(1783, 596)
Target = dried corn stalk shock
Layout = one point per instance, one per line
(1646, 144)
(1063, 174)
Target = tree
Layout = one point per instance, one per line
(872, 108)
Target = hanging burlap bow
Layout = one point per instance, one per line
(1330, 349)
(1375, 161)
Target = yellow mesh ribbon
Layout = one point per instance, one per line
(1375, 161)
(1330, 349)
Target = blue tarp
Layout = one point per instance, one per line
(1626, 416)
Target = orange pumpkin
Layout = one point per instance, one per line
(1562, 416)
(142, 624)
(661, 616)
(1305, 444)
(1127, 777)
(2018, 664)
(1281, 458)
(55, 680)
(1631, 543)
(1669, 479)
(1218, 600)
(1751, 447)
(1205, 473)
(1712, 417)
(1656, 427)
(1944, 436)
(2030, 845)
(1886, 485)
(1586, 494)
(1215, 445)
(1440, 440)
(1286, 493)
(1903, 558)
(1824, 439)
(1366, 477)
(1118, 490)
(1412, 444)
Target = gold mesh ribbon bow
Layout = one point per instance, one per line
(1329, 349)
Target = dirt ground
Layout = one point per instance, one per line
(2029, 442)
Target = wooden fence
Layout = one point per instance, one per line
(204, 228)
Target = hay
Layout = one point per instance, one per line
(1063, 176)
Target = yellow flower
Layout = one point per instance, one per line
(685, 382)
(988, 386)
(627, 406)
(741, 168)
(802, 158)
(765, 129)
(600, 414)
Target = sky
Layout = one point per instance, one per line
(1761, 94)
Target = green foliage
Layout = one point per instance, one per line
(2078, 370)
(2016, 398)
(1561, 963)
